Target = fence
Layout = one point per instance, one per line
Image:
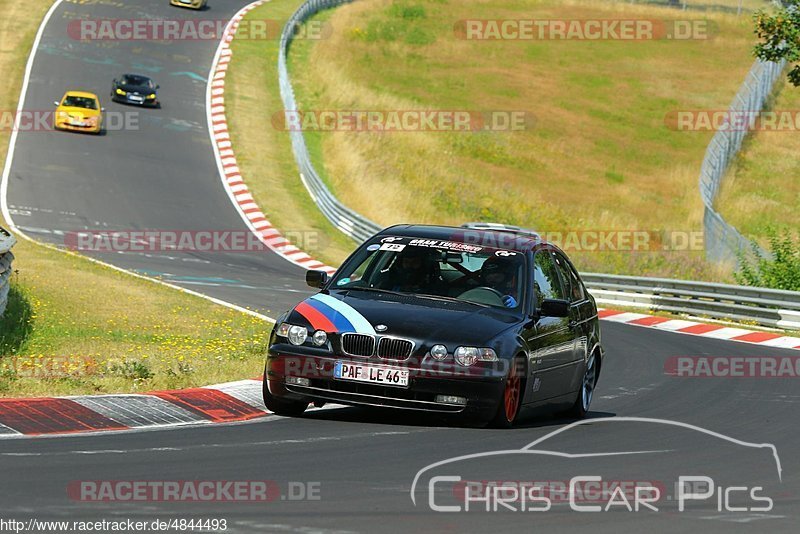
(765, 307)
(6, 257)
(723, 241)
(348, 221)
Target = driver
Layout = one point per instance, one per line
(499, 273)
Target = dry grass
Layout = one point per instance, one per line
(761, 189)
(598, 157)
(76, 327)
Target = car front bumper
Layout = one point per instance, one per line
(481, 391)
(127, 100)
(78, 128)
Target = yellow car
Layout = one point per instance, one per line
(191, 4)
(80, 112)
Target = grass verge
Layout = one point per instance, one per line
(761, 188)
(264, 151)
(599, 156)
(75, 327)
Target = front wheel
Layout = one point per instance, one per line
(509, 405)
(585, 394)
(280, 406)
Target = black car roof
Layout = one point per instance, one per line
(506, 239)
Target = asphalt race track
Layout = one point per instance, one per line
(160, 176)
(358, 465)
(365, 462)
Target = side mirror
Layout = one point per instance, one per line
(55, 102)
(102, 109)
(158, 86)
(555, 308)
(316, 279)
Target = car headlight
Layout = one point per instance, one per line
(467, 356)
(296, 335)
(439, 352)
(151, 96)
(120, 91)
(320, 338)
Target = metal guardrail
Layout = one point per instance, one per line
(348, 221)
(6, 257)
(723, 241)
(765, 307)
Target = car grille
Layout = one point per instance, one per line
(358, 344)
(392, 348)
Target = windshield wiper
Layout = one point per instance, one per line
(375, 290)
(449, 299)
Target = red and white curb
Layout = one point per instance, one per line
(716, 331)
(226, 160)
(221, 403)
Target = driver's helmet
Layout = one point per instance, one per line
(499, 272)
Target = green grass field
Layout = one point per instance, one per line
(76, 327)
(599, 155)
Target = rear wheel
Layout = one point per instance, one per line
(586, 393)
(280, 406)
(511, 398)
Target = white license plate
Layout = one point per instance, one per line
(390, 376)
(136, 98)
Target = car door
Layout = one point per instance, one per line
(551, 340)
(580, 315)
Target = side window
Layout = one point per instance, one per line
(578, 291)
(572, 284)
(545, 278)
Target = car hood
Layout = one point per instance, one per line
(79, 113)
(417, 318)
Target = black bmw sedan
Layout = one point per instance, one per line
(135, 89)
(483, 321)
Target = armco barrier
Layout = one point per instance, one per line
(348, 221)
(6, 257)
(766, 307)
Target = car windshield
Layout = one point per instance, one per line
(129, 79)
(437, 268)
(80, 102)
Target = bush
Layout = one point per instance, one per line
(782, 271)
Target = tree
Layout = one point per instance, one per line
(779, 33)
(782, 271)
